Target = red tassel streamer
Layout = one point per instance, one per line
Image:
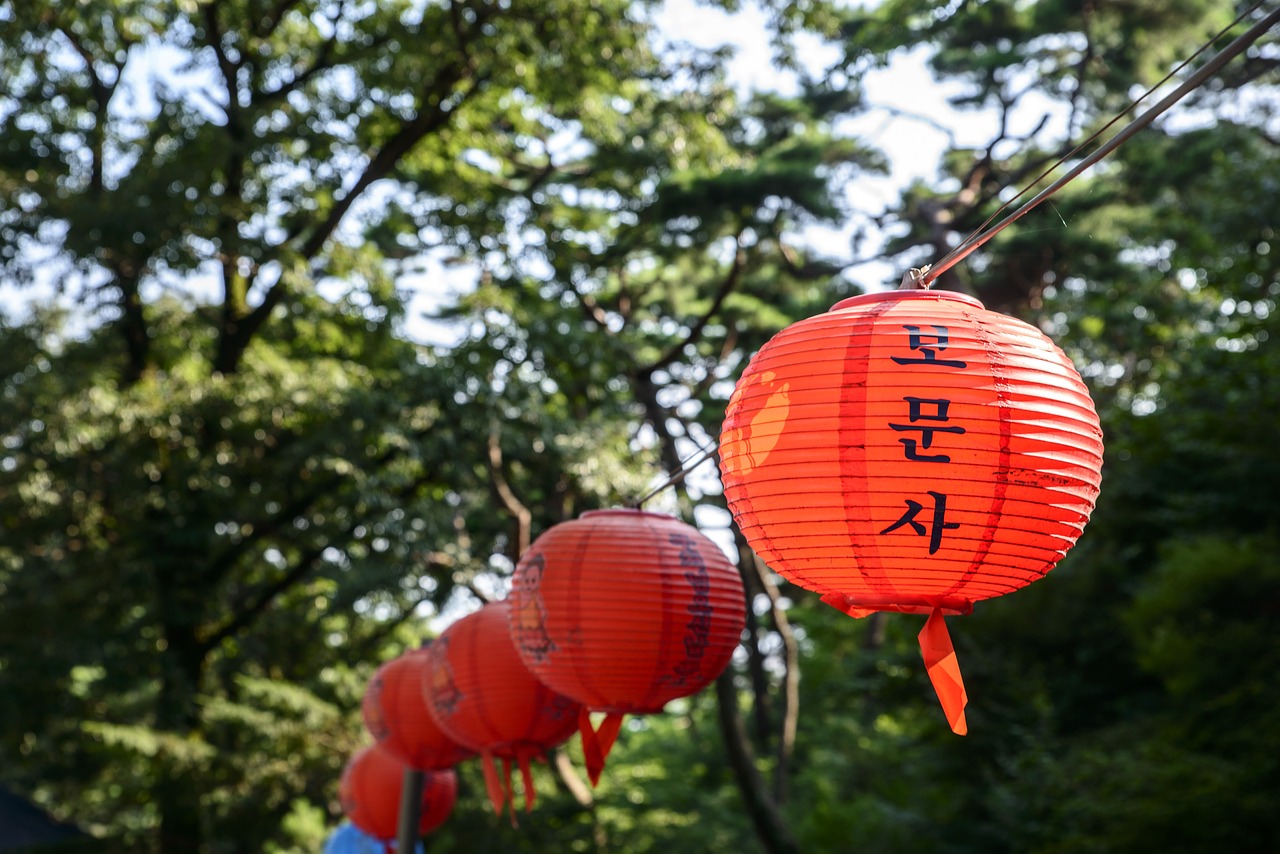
(843, 605)
(526, 778)
(491, 782)
(944, 670)
(596, 743)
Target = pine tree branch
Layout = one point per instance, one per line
(727, 286)
(510, 501)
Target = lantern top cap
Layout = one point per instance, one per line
(629, 512)
(896, 296)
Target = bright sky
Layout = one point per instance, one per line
(914, 145)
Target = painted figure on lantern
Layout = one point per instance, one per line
(444, 687)
(529, 614)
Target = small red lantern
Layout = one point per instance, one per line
(370, 794)
(623, 611)
(483, 697)
(395, 713)
(911, 451)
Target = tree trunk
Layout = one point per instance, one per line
(177, 715)
(177, 792)
(769, 823)
(133, 328)
(771, 828)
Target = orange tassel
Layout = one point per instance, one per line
(944, 670)
(491, 782)
(526, 777)
(596, 744)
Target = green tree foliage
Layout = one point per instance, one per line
(1158, 273)
(224, 510)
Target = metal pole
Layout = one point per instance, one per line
(410, 806)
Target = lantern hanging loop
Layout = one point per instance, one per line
(1210, 68)
(913, 279)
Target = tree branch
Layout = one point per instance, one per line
(590, 308)
(581, 792)
(770, 827)
(756, 671)
(440, 99)
(501, 488)
(245, 615)
(569, 776)
(790, 679)
(695, 332)
(102, 93)
(134, 328)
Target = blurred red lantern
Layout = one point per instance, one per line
(911, 451)
(623, 611)
(485, 698)
(370, 794)
(395, 713)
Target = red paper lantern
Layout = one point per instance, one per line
(911, 451)
(623, 611)
(395, 713)
(370, 794)
(483, 697)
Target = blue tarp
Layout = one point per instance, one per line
(349, 839)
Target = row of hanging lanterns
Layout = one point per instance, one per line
(395, 713)
(908, 452)
(370, 792)
(624, 611)
(617, 612)
(480, 693)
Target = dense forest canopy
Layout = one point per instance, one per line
(222, 506)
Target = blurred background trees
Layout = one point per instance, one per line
(235, 476)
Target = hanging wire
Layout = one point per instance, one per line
(685, 469)
(1195, 81)
(1100, 131)
(926, 276)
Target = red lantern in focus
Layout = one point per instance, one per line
(623, 611)
(370, 794)
(911, 451)
(395, 712)
(483, 697)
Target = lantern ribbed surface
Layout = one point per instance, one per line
(483, 697)
(395, 713)
(370, 794)
(910, 451)
(624, 610)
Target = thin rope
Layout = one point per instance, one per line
(1192, 83)
(683, 472)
